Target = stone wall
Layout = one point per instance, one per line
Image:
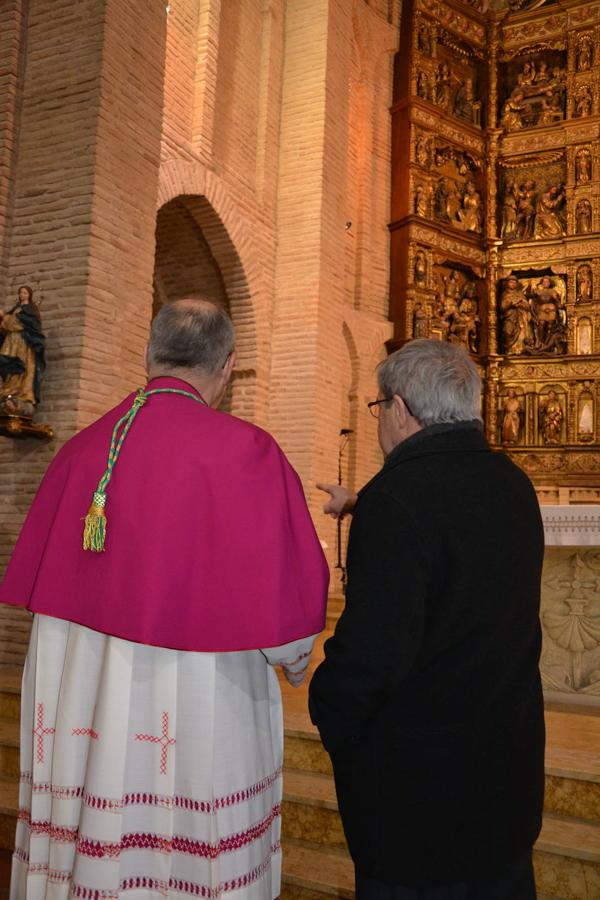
(265, 127)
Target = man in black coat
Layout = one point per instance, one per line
(429, 699)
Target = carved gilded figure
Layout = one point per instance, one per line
(583, 166)
(420, 268)
(443, 84)
(547, 318)
(515, 316)
(509, 209)
(22, 355)
(440, 200)
(454, 201)
(585, 53)
(511, 418)
(551, 418)
(584, 284)
(526, 210)
(512, 112)
(471, 214)
(424, 39)
(466, 106)
(423, 90)
(551, 110)
(549, 215)
(420, 200)
(465, 320)
(420, 329)
(422, 150)
(583, 101)
(583, 216)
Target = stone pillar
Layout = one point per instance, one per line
(307, 348)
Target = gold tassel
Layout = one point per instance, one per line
(94, 531)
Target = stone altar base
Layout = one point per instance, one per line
(570, 611)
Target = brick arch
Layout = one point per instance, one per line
(231, 244)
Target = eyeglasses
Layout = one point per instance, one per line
(374, 405)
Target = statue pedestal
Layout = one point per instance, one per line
(22, 427)
(570, 610)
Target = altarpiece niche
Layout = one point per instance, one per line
(495, 231)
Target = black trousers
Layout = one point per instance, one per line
(514, 881)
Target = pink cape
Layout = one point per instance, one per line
(210, 545)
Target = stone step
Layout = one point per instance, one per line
(310, 811)
(9, 749)
(567, 859)
(312, 873)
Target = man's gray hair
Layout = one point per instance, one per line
(191, 334)
(438, 381)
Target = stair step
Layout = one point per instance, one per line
(567, 859)
(310, 872)
(9, 749)
(309, 810)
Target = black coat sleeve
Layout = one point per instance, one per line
(379, 633)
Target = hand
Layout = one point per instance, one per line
(341, 500)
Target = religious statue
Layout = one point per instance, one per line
(585, 53)
(516, 317)
(584, 336)
(464, 321)
(585, 414)
(583, 217)
(583, 101)
(526, 210)
(509, 209)
(584, 284)
(466, 106)
(547, 317)
(440, 200)
(423, 86)
(549, 216)
(420, 321)
(420, 200)
(454, 201)
(420, 268)
(512, 111)
(551, 110)
(422, 150)
(443, 83)
(551, 418)
(471, 214)
(583, 166)
(512, 418)
(424, 39)
(449, 300)
(22, 357)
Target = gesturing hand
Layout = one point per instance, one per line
(341, 500)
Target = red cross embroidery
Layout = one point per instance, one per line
(40, 731)
(85, 731)
(164, 739)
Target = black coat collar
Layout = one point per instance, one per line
(451, 437)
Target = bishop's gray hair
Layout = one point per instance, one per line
(438, 380)
(191, 334)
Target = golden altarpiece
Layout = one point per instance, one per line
(495, 227)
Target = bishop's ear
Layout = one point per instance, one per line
(228, 366)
